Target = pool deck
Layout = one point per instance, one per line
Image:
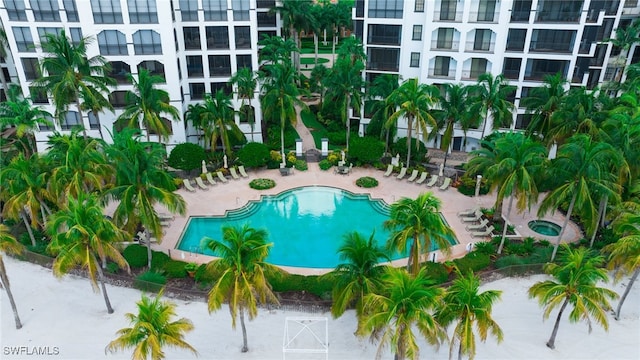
(236, 193)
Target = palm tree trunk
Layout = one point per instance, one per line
(600, 213)
(3, 80)
(348, 120)
(315, 40)
(4, 281)
(386, 142)
(484, 127)
(147, 238)
(104, 290)
(506, 222)
(460, 350)
(564, 226)
(84, 128)
(552, 339)
(245, 347)
(23, 215)
(333, 46)
(626, 292)
(252, 118)
(409, 126)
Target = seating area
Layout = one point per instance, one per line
(479, 226)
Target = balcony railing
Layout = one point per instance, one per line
(484, 17)
(558, 17)
(384, 40)
(594, 16)
(441, 74)
(550, 46)
(520, 15)
(473, 46)
(382, 65)
(511, 74)
(453, 16)
(452, 45)
(472, 74)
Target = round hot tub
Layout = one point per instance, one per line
(545, 227)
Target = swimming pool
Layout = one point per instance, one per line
(306, 225)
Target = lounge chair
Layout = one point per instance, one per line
(389, 170)
(242, 172)
(234, 174)
(221, 177)
(422, 177)
(486, 232)
(433, 180)
(165, 216)
(481, 226)
(468, 212)
(187, 185)
(414, 175)
(210, 179)
(475, 217)
(200, 183)
(445, 184)
(403, 172)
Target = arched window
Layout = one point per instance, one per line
(71, 119)
(147, 42)
(94, 123)
(167, 124)
(118, 99)
(119, 71)
(112, 42)
(154, 67)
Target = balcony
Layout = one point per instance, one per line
(442, 73)
(484, 17)
(550, 47)
(484, 47)
(511, 74)
(595, 16)
(382, 65)
(587, 48)
(520, 16)
(472, 74)
(447, 16)
(558, 17)
(446, 45)
(384, 40)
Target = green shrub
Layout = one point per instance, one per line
(509, 260)
(367, 182)
(186, 156)
(175, 269)
(418, 155)
(158, 260)
(467, 186)
(136, 256)
(254, 155)
(40, 248)
(436, 271)
(485, 247)
(112, 268)
(325, 164)
(203, 276)
(366, 149)
(282, 281)
(301, 165)
(540, 255)
(262, 184)
(473, 261)
(337, 137)
(150, 281)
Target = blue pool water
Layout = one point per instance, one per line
(306, 225)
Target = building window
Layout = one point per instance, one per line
(94, 123)
(142, 12)
(217, 37)
(419, 6)
(515, 39)
(511, 68)
(191, 36)
(383, 59)
(225, 87)
(537, 69)
(48, 126)
(38, 95)
(71, 10)
(194, 66)
(155, 68)
(215, 10)
(482, 41)
(486, 10)
(119, 71)
(167, 125)
(70, 120)
(112, 42)
(386, 9)
(24, 41)
(552, 40)
(445, 38)
(45, 10)
(243, 37)
(523, 120)
(417, 32)
(244, 61)
(219, 65)
(478, 67)
(196, 91)
(240, 10)
(146, 42)
(521, 11)
(76, 35)
(267, 4)
(44, 31)
(189, 10)
(448, 10)
(441, 67)
(16, 10)
(118, 98)
(266, 19)
(415, 59)
(106, 11)
(247, 114)
(384, 34)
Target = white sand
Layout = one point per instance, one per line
(66, 314)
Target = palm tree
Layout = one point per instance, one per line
(20, 113)
(276, 50)
(453, 106)
(405, 302)
(542, 102)
(140, 184)
(490, 96)
(580, 112)
(296, 15)
(624, 254)
(24, 187)
(152, 329)
(575, 280)
(319, 74)
(96, 104)
(465, 305)
(380, 89)
(217, 118)
(281, 97)
(70, 76)
(82, 236)
(418, 222)
(624, 38)
(358, 275)
(413, 101)
(353, 50)
(582, 170)
(9, 244)
(149, 104)
(345, 85)
(242, 267)
(512, 165)
(246, 81)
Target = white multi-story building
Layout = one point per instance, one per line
(196, 45)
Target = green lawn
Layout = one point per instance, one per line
(317, 129)
(312, 60)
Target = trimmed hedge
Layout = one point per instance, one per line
(367, 182)
(262, 184)
(254, 155)
(436, 271)
(158, 260)
(474, 261)
(150, 281)
(186, 156)
(317, 285)
(366, 149)
(325, 164)
(136, 256)
(174, 269)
